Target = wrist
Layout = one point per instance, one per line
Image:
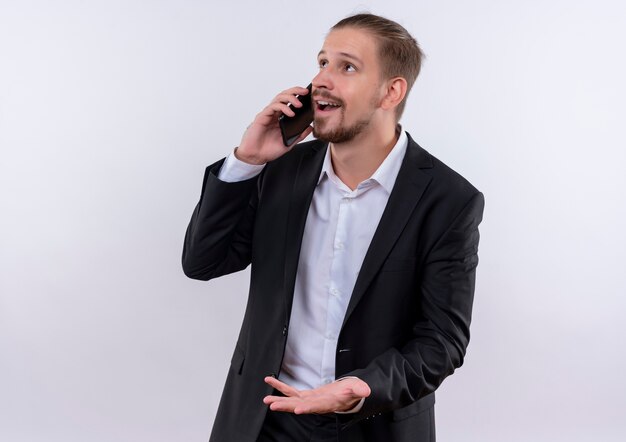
(248, 158)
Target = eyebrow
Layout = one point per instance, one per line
(343, 54)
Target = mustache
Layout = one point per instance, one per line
(328, 96)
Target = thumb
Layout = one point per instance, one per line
(361, 389)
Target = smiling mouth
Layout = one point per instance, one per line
(323, 105)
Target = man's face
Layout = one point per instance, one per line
(346, 91)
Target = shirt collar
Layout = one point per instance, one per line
(386, 173)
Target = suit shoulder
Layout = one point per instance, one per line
(443, 176)
(452, 178)
(448, 194)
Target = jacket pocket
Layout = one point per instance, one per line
(415, 408)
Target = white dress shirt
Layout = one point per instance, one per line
(339, 228)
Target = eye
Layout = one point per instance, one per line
(349, 68)
(323, 63)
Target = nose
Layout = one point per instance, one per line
(323, 79)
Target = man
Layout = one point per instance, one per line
(363, 249)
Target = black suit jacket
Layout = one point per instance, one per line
(407, 323)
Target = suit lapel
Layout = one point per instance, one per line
(307, 175)
(407, 191)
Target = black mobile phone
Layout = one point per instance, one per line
(292, 127)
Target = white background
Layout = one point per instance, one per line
(110, 110)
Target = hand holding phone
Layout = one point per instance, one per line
(292, 127)
(264, 140)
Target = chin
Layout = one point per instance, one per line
(341, 134)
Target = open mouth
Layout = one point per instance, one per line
(326, 106)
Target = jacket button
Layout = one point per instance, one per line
(285, 330)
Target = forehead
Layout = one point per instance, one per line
(351, 41)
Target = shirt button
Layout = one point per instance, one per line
(327, 380)
(334, 291)
(339, 245)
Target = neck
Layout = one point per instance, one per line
(356, 160)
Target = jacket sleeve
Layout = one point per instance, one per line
(401, 376)
(218, 240)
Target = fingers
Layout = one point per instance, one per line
(296, 405)
(336, 396)
(276, 107)
(277, 403)
(281, 403)
(280, 104)
(308, 405)
(290, 96)
(281, 386)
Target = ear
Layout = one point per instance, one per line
(395, 93)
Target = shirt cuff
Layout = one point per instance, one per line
(358, 406)
(234, 170)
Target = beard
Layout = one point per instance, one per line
(340, 134)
